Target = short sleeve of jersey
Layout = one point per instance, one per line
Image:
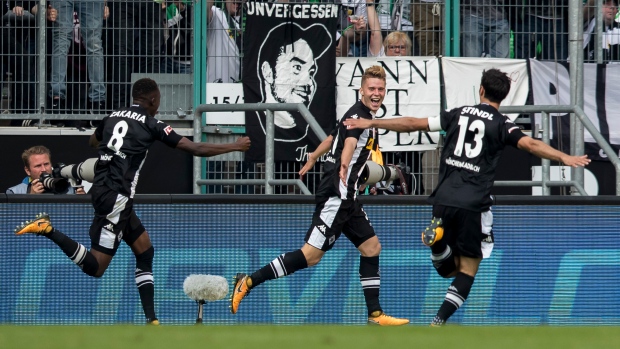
(355, 133)
(513, 133)
(448, 116)
(164, 132)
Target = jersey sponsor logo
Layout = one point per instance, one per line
(330, 159)
(109, 227)
(129, 114)
(354, 116)
(168, 129)
(462, 164)
(322, 228)
(477, 112)
(120, 154)
(105, 157)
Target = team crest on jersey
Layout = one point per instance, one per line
(168, 129)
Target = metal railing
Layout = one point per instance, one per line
(268, 108)
(546, 183)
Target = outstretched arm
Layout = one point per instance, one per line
(318, 152)
(545, 151)
(211, 149)
(404, 124)
(376, 38)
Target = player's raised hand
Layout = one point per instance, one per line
(308, 166)
(243, 143)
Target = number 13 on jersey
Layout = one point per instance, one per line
(474, 148)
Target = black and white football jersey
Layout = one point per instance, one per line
(475, 139)
(331, 185)
(124, 139)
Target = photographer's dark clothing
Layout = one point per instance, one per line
(125, 137)
(331, 185)
(475, 139)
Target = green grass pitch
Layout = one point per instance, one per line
(306, 337)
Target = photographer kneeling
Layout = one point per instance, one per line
(38, 167)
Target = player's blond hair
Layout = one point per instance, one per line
(374, 72)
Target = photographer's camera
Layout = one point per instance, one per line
(63, 176)
(56, 185)
(385, 176)
(84, 171)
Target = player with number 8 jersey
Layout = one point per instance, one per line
(123, 139)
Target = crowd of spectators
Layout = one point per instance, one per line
(94, 46)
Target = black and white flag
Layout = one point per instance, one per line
(289, 58)
(551, 86)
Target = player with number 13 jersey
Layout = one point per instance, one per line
(475, 139)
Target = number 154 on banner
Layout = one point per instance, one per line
(225, 94)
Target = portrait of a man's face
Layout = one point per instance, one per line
(291, 80)
(287, 67)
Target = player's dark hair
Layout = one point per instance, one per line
(143, 87)
(496, 85)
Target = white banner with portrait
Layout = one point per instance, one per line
(413, 89)
(462, 80)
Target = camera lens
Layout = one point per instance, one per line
(57, 185)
